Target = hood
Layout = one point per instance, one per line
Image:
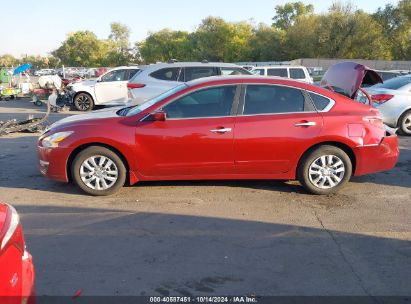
(100, 114)
(348, 77)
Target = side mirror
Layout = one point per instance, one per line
(157, 116)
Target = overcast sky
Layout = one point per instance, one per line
(38, 27)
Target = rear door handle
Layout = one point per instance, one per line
(306, 124)
(222, 131)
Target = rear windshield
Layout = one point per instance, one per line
(394, 83)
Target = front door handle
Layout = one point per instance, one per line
(306, 124)
(222, 130)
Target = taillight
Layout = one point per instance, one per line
(135, 85)
(381, 98)
(11, 232)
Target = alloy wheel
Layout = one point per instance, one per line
(326, 172)
(99, 172)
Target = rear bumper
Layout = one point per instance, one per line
(377, 158)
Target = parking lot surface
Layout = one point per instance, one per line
(210, 237)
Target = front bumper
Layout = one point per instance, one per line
(377, 158)
(53, 162)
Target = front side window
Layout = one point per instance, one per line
(118, 75)
(211, 102)
(234, 71)
(297, 73)
(277, 72)
(199, 72)
(272, 99)
(168, 74)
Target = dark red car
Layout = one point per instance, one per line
(237, 127)
(16, 265)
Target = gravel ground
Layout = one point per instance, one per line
(210, 237)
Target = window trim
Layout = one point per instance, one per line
(234, 105)
(242, 101)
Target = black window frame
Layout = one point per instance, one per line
(308, 103)
(274, 69)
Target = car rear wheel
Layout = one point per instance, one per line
(324, 170)
(83, 102)
(405, 123)
(98, 171)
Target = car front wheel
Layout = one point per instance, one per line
(98, 171)
(83, 102)
(324, 170)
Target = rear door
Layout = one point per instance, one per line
(274, 126)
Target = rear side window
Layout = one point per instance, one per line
(319, 101)
(297, 73)
(168, 74)
(199, 72)
(271, 99)
(277, 72)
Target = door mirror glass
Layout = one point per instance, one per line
(157, 116)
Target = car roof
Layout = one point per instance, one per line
(278, 66)
(244, 78)
(190, 64)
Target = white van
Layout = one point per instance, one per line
(292, 71)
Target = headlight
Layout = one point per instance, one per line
(53, 140)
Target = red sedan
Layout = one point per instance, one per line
(239, 127)
(16, 265)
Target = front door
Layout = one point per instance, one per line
(274, 126)
(196, 139)
(112, 88)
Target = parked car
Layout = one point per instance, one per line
(386, 75)
(393, 99)
(16, 264)
(152, 80)
(44, 72)
(232, 127)
(293, 72)
(109, 89)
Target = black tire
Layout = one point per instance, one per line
(406, 117)
(83, 102)
(312, 158)
(96, 151)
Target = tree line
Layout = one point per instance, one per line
(296, 32)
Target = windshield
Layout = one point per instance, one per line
(394, 83)
(153, 101)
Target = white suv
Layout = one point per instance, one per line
(110, 89)
(292, 71)
(152, 80)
